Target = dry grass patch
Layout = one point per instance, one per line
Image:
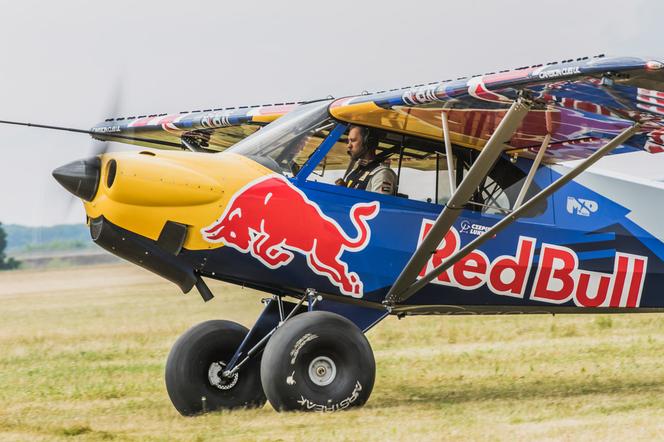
(82, 354)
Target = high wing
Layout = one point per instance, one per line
(580, 103)
(207, 130)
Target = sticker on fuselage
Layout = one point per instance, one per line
(270, 219)
(581, 206)
(558, 278)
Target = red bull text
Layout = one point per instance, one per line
(270, 219)
(558, 278)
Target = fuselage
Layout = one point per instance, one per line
(582, 250)
(269, 213)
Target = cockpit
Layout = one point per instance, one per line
(308, 144)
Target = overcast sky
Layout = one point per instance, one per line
(61, 62)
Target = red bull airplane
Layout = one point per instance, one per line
(482, 219)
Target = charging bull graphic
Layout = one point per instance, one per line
(270, 219)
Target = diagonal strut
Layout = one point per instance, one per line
(479, 170)
(509, 219)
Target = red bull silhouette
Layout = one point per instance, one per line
(270, 219)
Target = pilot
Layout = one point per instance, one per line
(369, 172)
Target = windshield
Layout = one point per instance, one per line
(287, 143)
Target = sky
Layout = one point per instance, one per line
(70, 63)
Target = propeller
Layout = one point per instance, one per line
(81, 178)
(101, 144)
(100, 147)
(75, 176)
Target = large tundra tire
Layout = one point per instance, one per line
(193, 370)
(318, 361)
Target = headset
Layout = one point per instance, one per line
(365, 136)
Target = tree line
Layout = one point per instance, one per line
(5, 262)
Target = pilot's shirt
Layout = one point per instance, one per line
(374, 177)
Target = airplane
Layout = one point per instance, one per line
(482, 219)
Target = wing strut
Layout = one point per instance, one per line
(538, 159)
(479, 170)
(543, 194)
(533, 169)
(448, 153)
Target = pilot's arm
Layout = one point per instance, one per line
(384, 180)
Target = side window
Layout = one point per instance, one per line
(305, 148)
(423, 175)
(387, 163)
(362, 159)
(412, 168)
(497, 192)
(291, 156)
(334, 164)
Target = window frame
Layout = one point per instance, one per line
(461, 158)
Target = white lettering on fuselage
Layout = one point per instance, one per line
(558, 278)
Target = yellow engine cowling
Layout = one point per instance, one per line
(141, 191)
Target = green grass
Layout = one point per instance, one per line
(82, 354)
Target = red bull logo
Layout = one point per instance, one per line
(270, 219)
(558, 278)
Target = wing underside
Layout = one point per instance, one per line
(208, 130)
(581, 104)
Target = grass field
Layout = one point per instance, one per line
(82, 354)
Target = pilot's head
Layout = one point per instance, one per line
(358, 142)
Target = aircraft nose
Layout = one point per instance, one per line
(80, 177)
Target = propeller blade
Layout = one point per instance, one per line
(101, 147)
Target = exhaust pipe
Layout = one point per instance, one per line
(143, 252)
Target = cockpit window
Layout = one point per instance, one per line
(286, 144)
(421, 170)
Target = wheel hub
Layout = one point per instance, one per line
(218, 380)
(322, 371)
